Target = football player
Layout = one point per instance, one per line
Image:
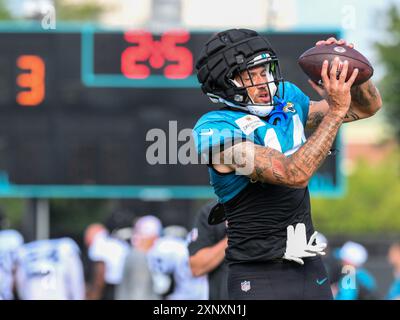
(10, 241)
(107, 255)
(168, 261)
(50, 270)
(260, 162)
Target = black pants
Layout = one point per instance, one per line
(279, 280)
(108, 292)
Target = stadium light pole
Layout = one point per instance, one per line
(42, 219)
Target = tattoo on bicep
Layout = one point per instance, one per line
(351, 116)
(269, 166)
(358, 95)
(263, 162)
(372, 90)
(278, 176)
(364, 96)
(315, 118)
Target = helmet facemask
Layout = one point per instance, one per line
(268, 77)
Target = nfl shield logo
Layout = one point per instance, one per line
(245, 286)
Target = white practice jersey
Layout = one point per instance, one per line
(170, 257)
(50, 270)
(10, 241)
(113, 253)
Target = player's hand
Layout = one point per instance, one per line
(297, 246)
(317, 248)
(335, 90)
(332, 40)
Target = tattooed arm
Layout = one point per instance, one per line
(268, 165)
(365, 102)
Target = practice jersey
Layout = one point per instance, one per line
(257, 213)
(394, 290)
(10, 241)
(50, 270)
(113, 253)
(219, 129)
(170, 257)
(364, 287)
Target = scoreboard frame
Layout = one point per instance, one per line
(145, 192)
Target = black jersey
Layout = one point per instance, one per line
(258, 218)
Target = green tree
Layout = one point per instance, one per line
(389, 53)
(73, 12)
(4, 13)
(371, 204)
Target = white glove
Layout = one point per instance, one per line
(297, 246)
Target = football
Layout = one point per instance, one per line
(311, 62)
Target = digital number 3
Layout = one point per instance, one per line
(34, 80)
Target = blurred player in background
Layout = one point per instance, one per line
(169, 264)
(50, 270)
(137, 282)
(10, 242)
(357, 283)
(107, 255)
(394, 260)
(260, 162)
(207, 244)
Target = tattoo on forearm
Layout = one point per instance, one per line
(273, 167)
(311, 155)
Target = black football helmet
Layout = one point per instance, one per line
(225, 56)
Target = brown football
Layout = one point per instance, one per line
(311, 61)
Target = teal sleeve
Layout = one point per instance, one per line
(215, 136)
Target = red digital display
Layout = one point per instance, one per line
(157, 53)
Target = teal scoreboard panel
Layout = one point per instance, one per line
(76, 108)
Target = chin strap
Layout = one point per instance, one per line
(278, 117)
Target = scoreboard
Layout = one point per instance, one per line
(76, 107)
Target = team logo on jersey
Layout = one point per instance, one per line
(245, 286)
(289, 108)
(249, 123)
